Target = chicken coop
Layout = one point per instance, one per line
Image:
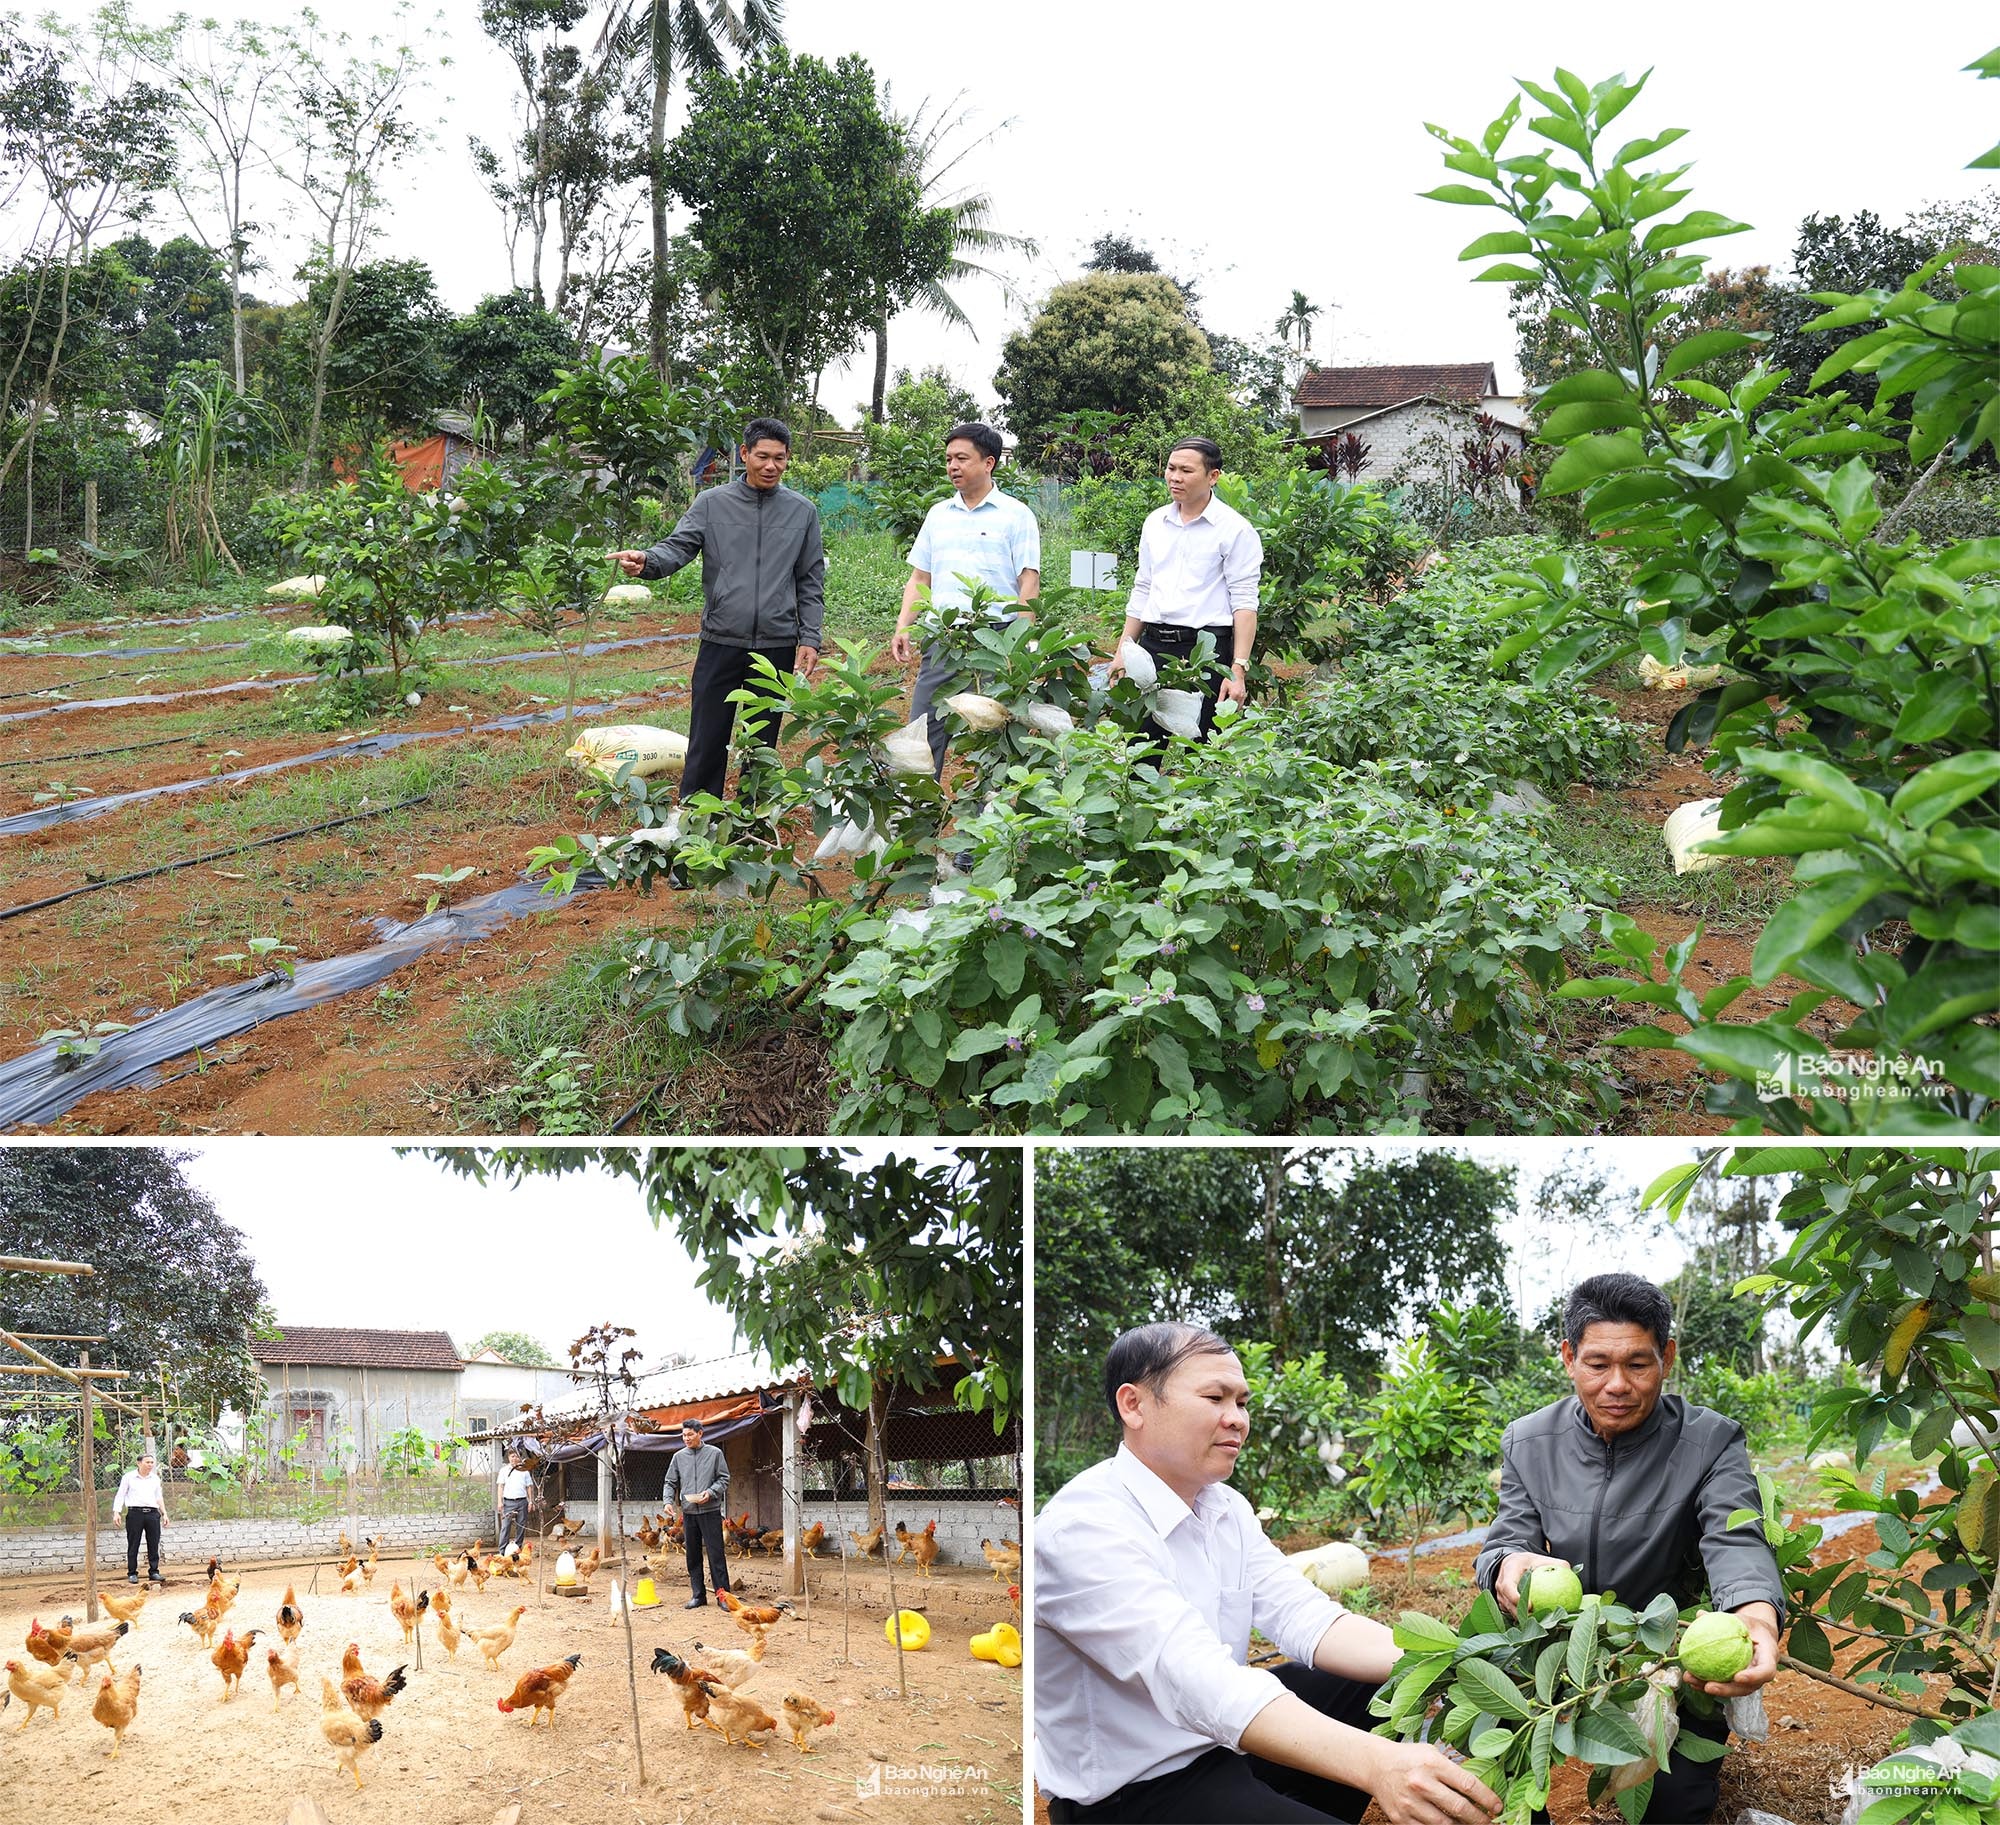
(797, 1457)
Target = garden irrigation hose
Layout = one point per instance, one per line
(186, 650)
(590, 650)
(78, 810)
(39, 1086)
(214, 855)
(63, 760)
(70, 684)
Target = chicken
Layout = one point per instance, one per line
(738, 1531)
(813, 1539)
(117, 1705)
(503, 1565)
(230, 1658)
(648, 1535)
(499, 1638)
(123, 1608)
(1014, 1597)
(926, 1548)
(351, 1737)
(764, 1615)
(445, 1568)
(373, 1562)
(687, 1683)
(38, 1687)
(539, 1690)
(586, 1567)
(346, 1545)
(732, 1665)
(352, 1579)
(870, 1542)
(366, 1696)
(447, 1629)
(1005, 1558)
(204, 1622)
(96, 1644)
(675, 1530)
(473, 1570)
(905, 1539)
(291, 1619)
(283, 1673)
(47, 1645)
(772, 1542)
(410, 1614)
(737, 1715)
(803, 1716)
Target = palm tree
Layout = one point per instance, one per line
(972, 232)
(691, 37)
(1298, 317)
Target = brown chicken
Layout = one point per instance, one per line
(905, 1540)
(367, 1697)
(373, 1562)
(503, 1565)
(473, 1570)
(648, 1535)
(38, 1687)
(761, 1615)
(204, 1622)
(586, 1567)
(772, 1542)
(731, 1665)
(737, 1715)
(813, 1539)
(738, 1531)
(803, 1716)
(291, 1619)
(1014, 1597)
(925, 1546)
(870, 1542)
(230, 1658)
(351, 1737)
(687, 1684)
(1005, 1558)
(117, 1705)
(123, 1608)
(352, 1579)
(538, 1691)
(283, 1673)
(410, 1613)
(345, 1544)
(447, 1629)
(47, 1645)
(90, 1646)
(499, 1638)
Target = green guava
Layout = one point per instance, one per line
(1716, 1646)
(1551, 1587)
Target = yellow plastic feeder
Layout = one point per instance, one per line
(644, 1596)
(1001, 1644)
(914, 1629)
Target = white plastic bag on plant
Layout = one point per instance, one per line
(982, 713)
(297, 589)
(628, 595)
(651, 751)
(1179, 713)
(319, 639)
(1046, 719)
(909, 749)
(1691, 824)
(1747, 1717)
(1138, 664)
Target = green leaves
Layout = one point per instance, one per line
(1483, 1684)
(1588, 459)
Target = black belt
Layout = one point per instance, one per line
(1185, 636)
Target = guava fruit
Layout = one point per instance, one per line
(1551, 1587)
(1716, 1646)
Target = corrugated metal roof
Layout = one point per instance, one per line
(748, 1372)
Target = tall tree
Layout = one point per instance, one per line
(804, 200)
(173, 1285)
(671, 38)
(933, 162)
(1297, 320)
(514, 1346)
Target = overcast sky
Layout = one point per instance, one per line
(1275, 144)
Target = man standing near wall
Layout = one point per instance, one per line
(517, 1490)
(697, 1483)
(143, 1503)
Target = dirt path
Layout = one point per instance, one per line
(448, 1756)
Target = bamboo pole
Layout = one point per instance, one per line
(28, 1264)
(89, 1496)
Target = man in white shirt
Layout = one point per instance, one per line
(517, 1489)
(1149, 1576)
(1199, 563)
(143, 1505)
(979, 533)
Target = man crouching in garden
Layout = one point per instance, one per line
(1635, 1488)
(1149, 1575)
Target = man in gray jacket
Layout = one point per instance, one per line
(763, 573)
(1634, 1487)
(698, 1484)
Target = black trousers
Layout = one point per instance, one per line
(138, 1522)
(704, 1524)
(719, 670)
(1179, 643)
(1684, 1792)
(1222, 1786)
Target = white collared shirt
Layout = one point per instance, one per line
(993, 542)
(1143, 1612)
(136, 1489)
(1198, 572)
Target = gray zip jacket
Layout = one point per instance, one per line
(763, 569)
(1642, 1513)
(696, 1472)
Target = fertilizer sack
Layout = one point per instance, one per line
(297, 589)
(651, 751)
(628, 595)
(319, 639)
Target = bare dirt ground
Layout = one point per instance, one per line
(951, 1750)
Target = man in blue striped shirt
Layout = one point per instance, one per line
(979, 533)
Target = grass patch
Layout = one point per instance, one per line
(1605, 837)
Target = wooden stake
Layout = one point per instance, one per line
(89, 1496)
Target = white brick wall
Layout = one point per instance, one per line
(961, 1525)
(42, 1551)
